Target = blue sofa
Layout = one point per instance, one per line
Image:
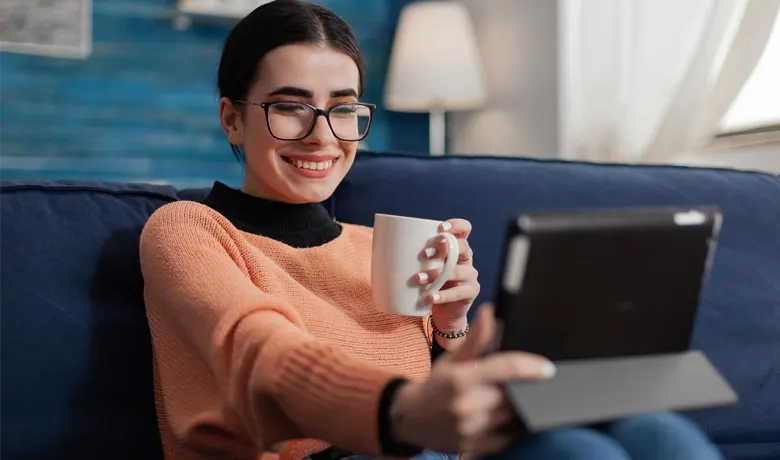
(76, 357)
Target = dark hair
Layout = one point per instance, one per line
(275, 24)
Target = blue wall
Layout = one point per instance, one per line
(143, 106)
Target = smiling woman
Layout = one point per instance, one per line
(265, 333)
(259, 304)
(302, 82)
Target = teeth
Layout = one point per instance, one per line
(319, 165)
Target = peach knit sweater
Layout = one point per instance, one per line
(262, 347)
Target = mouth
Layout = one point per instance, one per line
(310, 165)
(310, 168)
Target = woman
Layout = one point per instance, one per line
(265, 336)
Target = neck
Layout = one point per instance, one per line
(298, 225)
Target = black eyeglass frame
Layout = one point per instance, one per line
(317, 113)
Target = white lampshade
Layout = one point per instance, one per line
(435, 63)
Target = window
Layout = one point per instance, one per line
(757, 107)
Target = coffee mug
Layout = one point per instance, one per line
(398, 255)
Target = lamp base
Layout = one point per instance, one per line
(436, 132)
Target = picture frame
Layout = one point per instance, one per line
(53, 28)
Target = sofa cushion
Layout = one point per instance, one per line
(76, 352)
(739, 319)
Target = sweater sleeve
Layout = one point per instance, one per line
(275, 382)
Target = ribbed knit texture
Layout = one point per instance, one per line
(257, 343)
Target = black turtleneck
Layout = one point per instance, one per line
(300, 226)
(297, 225)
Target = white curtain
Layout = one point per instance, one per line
(648, 80)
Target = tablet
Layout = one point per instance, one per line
(611, 297)
(607, 283)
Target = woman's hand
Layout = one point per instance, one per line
(462, 407)
(454, 299)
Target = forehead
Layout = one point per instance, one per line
(313, 67)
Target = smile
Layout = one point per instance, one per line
(313, 165)
(311, 169)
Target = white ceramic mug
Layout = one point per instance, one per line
(398, 255)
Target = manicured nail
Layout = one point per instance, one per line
(548, 370)
(430, 252)
(446, 226)
(435, 298)
(422, 277)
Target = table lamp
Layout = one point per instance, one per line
(434, 65)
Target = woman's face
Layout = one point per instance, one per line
(298, 171)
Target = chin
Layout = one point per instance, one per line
(317, 198)
(310, 195)
(306, 190)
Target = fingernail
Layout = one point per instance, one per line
(430, 252)
(422, 277)
(548, 370)
(446, 226)
(435, 298)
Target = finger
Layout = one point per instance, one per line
(492, 417)
(508, 366)
(503, 416)
(491, 414)
(439, 250)
(461, 273)
(465, 254)
(481, 398)
(480, 336)
(458, 227)
(492, 401)
(458, 293)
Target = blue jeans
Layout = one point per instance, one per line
(662, 436)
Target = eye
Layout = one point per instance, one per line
(344, 109)
(289, 107)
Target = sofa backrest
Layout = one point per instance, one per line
(739, 320)
(76, 353)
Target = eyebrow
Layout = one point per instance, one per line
(300, 92)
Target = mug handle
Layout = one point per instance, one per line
(453, 252)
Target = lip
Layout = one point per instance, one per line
(311, 157)
(311, 173)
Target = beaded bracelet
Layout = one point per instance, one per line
(449, 335)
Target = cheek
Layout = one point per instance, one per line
(349, 149)
(258, 142)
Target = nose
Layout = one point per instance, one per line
(321, 133)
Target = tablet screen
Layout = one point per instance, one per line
(594, 284)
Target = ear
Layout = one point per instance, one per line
(231, 120)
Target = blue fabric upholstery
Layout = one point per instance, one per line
(739, 321)
(76, 357)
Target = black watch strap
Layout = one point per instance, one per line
(389, 445)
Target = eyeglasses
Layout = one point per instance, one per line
(292, 120)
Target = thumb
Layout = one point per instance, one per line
(480, 336)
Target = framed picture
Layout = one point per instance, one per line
(220, 11)
(56, 28)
